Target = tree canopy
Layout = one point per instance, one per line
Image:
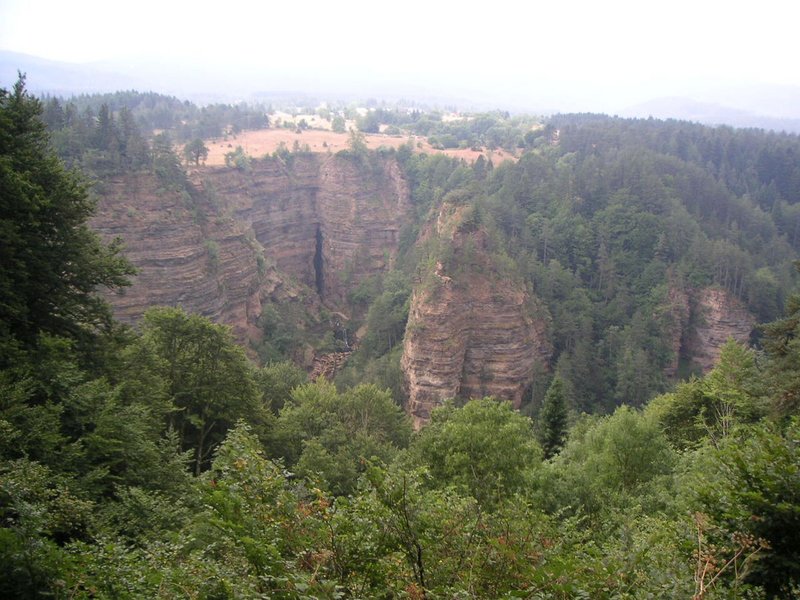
(53, 263)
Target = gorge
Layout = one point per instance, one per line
(308, 231)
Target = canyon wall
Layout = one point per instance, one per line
(701, 320)
(308, 229)
(326, 220)
(305, 230)
(718, 316)
(186, 255)
(471, 332)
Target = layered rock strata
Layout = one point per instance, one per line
(185, 254)
(700, 322)
(719, 316)
(470, 334)
(328, 221)
(238, 238)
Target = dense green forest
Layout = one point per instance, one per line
(604, 219)
(162, 463)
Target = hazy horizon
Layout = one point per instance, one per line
(577, 56)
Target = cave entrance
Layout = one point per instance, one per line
(319, 278)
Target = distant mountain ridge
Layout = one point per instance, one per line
(46, 76)
(758, 106)
(708, 113)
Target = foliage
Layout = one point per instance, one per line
(152, 111)
(52, 261)
(709, 409)
(552, 431)
(609, 464)
(238, 159)
(324, 434)
(750, 485)
(782, 344)
(338, 124)
(195, 151)
(387, 315)
(357, 144)
(276, 382)
(37, 508)
(206, 377)
(166, 164)
(258, 524)
(484, 449)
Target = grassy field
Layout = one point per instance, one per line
(266, 141)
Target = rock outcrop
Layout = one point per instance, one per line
(700, 321)
(318, 224)
(328, 221)
(327, 365)
(718, 316)
(186, 255)
(309, 229)
(471, 332)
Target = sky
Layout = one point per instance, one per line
(599, 54)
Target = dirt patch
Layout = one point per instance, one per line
(266, 141)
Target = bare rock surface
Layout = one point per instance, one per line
(471, 332)
(719, 316)
(700, 321)
(240, 238)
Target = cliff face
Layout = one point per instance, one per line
(309, 230)
(470, 333)
(701, 321)
(328, 221)
(719, 316)
(240, 238)
(186, 254)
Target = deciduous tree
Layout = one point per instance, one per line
(209, 380)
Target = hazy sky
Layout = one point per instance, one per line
(614, 50)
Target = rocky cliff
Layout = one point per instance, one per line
(187, 255)
(471, 332)
(308, 228)
(329, 221)
(304, 231)
(700, 321)
(718, 316)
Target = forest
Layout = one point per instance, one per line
(162, 461)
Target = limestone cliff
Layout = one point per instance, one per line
(471, 332)
(314, 226)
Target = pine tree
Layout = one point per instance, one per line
(553, 419)
(51, 262)
(782, 345)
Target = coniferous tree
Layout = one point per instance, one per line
(195, 151)
(553, 419)
(52, 262)
(782, 344)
